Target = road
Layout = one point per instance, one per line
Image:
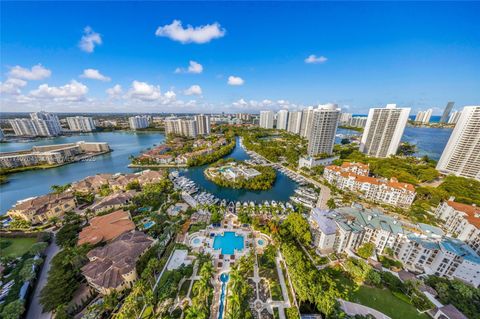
(35, 310)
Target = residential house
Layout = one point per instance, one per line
(40, 209)
(106, 228)
(112, 267)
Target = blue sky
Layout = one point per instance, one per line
(419, 55)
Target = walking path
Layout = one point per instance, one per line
(158, 280)
(352, 309)
(35, 310)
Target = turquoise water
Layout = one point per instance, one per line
(261, 242)
(196, 241)
(149, 224)
(228, 242)
(224, 279)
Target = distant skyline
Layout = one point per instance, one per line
(237, 57)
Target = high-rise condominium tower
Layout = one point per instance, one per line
(454, 116)
(383, 130)
(81, 124)
(282, 119)
(446, 112)
(266, 119)
(139, 122)
(461, 155)
(323, 129)
(424, 116)
(294, 122)
(203, 124)
(307, 116)
(184, 127)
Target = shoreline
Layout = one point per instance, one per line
(22, 169)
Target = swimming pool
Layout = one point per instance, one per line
(260, 242)
(228, 242)
(196, 241)
(148, 224)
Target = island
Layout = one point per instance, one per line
(180, 151)
(241, 175)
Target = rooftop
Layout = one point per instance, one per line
(106, 228)
(472, 212)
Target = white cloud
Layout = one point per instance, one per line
(73, 91)
(94, 75)
(193, 90)
(12, 86)
(313, 59)
(235, 80)
(202, 34)
(144, 91)
(89, 40)
(193, 67)
(115, 91)
(37, 72)
(170, 95)
(266, 104)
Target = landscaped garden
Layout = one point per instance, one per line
(386, 302)
(15, 247)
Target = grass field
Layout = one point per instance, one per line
(383, 300)
(17, 246)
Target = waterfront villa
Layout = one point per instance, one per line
(40, 209)
(116, 181)
(112, 267)
(106, 228)
(354, 177)
(232, 171)
(113, 201)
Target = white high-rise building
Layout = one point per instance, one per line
(461, 155)
(294, 122)
(182, 127)
(357, 121)
(81, 124)
(23, 127)
(266, 119)
(139, 122)
(454, 116)
(424, 116)
(203, 124)
(307, 116)
(282, 119)
(345, 118)
(39, 124)
(323, 129)
(46, 124)
(383, 130)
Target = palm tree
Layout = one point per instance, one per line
(195, 313)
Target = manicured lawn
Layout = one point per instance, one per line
(383, 300)
(16, 247)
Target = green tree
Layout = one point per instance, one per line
(38, 248)
(68, 234)
(13, 310)
(298, 228)
(331, 203)
(57, 189)
(366, 250)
